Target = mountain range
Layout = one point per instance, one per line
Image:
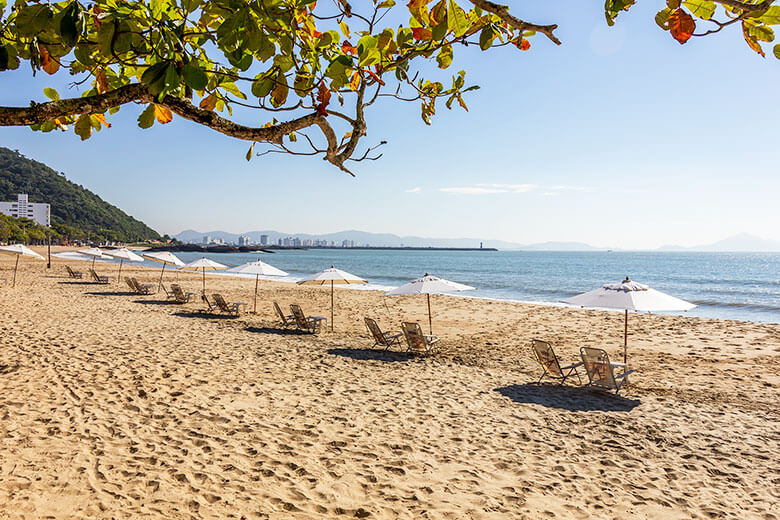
(738, 243)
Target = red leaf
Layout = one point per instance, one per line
(681, 25)
(49, 64)
(420, 33)
(376, 77)
(323, 96)
(523, 44)
(347, 48)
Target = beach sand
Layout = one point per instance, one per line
(120, 406)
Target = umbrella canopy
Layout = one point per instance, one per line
(94, 252)
(429, 285)
(165, 258)
(202, 265)
(256, 268)
(331, 276)
(123, 254)
(19, 250)
(629, 296)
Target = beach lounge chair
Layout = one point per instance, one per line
(546, 357)
(600, 370)
(140, 288)
(287, 321)
(382, 339)
(418, 342)
(233, 309)
(179, 296)
(74, 274)
(307, 324)
(96, 278)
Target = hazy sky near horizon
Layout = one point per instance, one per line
(621, 137)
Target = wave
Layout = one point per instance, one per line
(738, 305)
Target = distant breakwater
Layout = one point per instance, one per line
(197, 248)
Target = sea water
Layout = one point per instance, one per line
(739, 286)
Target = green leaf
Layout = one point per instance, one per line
(486, 37)
(68, 24)
(262, 87)
(662, 17)
(105, 37)
(444, 58)
(456, 19)
(776, 50)
(154, 77)
(233, 89)
(771, 16)
(33, 20)
(171, 78)
(702, 8)
(386, 3)
(158, 7)
(194, 77)
(760, 32)
(83, 127)
(146, 119)
(4, 58)
(250, 152)
(51, 94)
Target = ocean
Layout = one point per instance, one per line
(737, 286)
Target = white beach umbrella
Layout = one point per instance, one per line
(203, 265)
(257, 268)
(94, 252)
(165, 258)
(331, 276)
(123, 254)
(629, 296)
(19, 250)
(429, 285)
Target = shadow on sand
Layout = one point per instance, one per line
(78, 282)
(158, 302)
(365, 354)
(277, 331)
(111, 293)
(202, 314)
(575, 399)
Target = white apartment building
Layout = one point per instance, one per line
(244, 240)
(23, 208)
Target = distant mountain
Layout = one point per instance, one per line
(742, 242)
(74, 209)
(382, 240)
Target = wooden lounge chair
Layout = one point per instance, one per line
(74, 274)
(96, 278)
(418, 342)
(179, 296)
(382, 339)
(140, 288)
(233, 309)
(546, 357)
(307, 324)
(287, 321)
(600, 370)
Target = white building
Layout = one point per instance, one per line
(244, 240)
(263, 240)
(22, 208)
(206, 240)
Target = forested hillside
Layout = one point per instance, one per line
(76, 212)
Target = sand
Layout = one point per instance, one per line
(121, 406)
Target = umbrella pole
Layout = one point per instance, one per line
(430, 320)
(257, 279)
(16, 266)
(204, 281)
(159, 286)
(119, 276)
(331, 305)
(625, 340)
(93, 261)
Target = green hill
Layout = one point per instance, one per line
(75, 211)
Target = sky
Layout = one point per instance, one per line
(621, 137)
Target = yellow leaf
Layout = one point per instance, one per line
(163, 114)
(354, 83)
(208, 102)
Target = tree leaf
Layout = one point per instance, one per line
(323, 96)
(101, 81)
(662, 18)
(456, 19)
(702, 8)
(48, 64)
(250, 152)
(681, 25)
(280, 91)
(444, 57)
(194, 77)
(208, 102)
(69, 24)
(776, 51)
(486, 37)
(771, 16)
(751, 41)
(83, 127)
(51, 93)
(162, 114)
(146, 119)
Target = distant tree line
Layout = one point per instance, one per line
(76, 213)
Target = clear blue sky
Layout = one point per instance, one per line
(620, 137)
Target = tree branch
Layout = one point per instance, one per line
(746, 6)
(502, 12)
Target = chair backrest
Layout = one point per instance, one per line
(414, 336)
(178, 293)
(129, 282)
(221, 303)
(94, 275)
(71, 273)
(596, 362)
(207, 302)
(280, 313)
(300, 317)
(375, 331)
(546, 357)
